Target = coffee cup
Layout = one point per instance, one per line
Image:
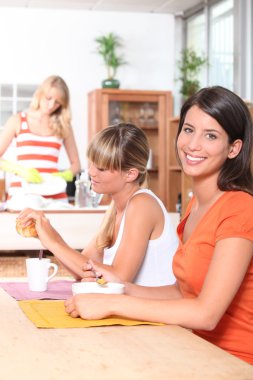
(38, 273)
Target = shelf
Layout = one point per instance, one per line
(175, 168)
(153, 170)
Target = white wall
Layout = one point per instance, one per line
(36, 43)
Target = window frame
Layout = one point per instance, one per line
(243, 53)
(14, 98)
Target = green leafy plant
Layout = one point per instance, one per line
(189, 67)
(106, 47)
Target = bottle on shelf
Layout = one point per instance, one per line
(151, 120)
(116, 116)
(141, 118)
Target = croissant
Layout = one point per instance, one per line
(27, 231)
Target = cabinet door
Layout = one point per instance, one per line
(149, 110)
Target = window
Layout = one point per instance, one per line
(221, 41)
(196, 39)
(195, 32)
(14, 98)
(210, 33)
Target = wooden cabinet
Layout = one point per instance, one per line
(149, 110)
(178, 184)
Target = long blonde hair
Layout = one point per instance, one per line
(119, 147)
(60, 120)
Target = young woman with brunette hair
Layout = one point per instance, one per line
(213, 264)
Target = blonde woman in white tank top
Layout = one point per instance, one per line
(136, 241)
(156, 268)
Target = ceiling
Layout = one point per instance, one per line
(149, 6)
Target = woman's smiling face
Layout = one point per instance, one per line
(202, 144)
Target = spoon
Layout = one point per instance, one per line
(41, 254)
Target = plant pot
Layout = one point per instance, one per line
(110, 83)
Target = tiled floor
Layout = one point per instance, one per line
(12, 265)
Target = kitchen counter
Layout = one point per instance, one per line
(76, 226)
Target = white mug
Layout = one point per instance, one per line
(38, 273)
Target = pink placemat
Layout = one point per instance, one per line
(57, 290)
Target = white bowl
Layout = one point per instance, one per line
(93, 287)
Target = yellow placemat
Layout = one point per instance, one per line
(51, 314)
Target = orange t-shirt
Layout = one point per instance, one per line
(230, 216)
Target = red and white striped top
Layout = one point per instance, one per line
(35, 151)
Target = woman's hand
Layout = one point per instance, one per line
(67, 175)
(46, 233)
(89, 274)
(31, 175)
(93, 269)
(89, 306)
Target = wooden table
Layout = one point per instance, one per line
(108, 353)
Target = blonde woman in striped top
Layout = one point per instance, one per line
(40, 132)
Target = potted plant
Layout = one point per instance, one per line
(189, 67)
(106, 47)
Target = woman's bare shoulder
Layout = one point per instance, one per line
(144, 201)
(13, 120)
(12, 124)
